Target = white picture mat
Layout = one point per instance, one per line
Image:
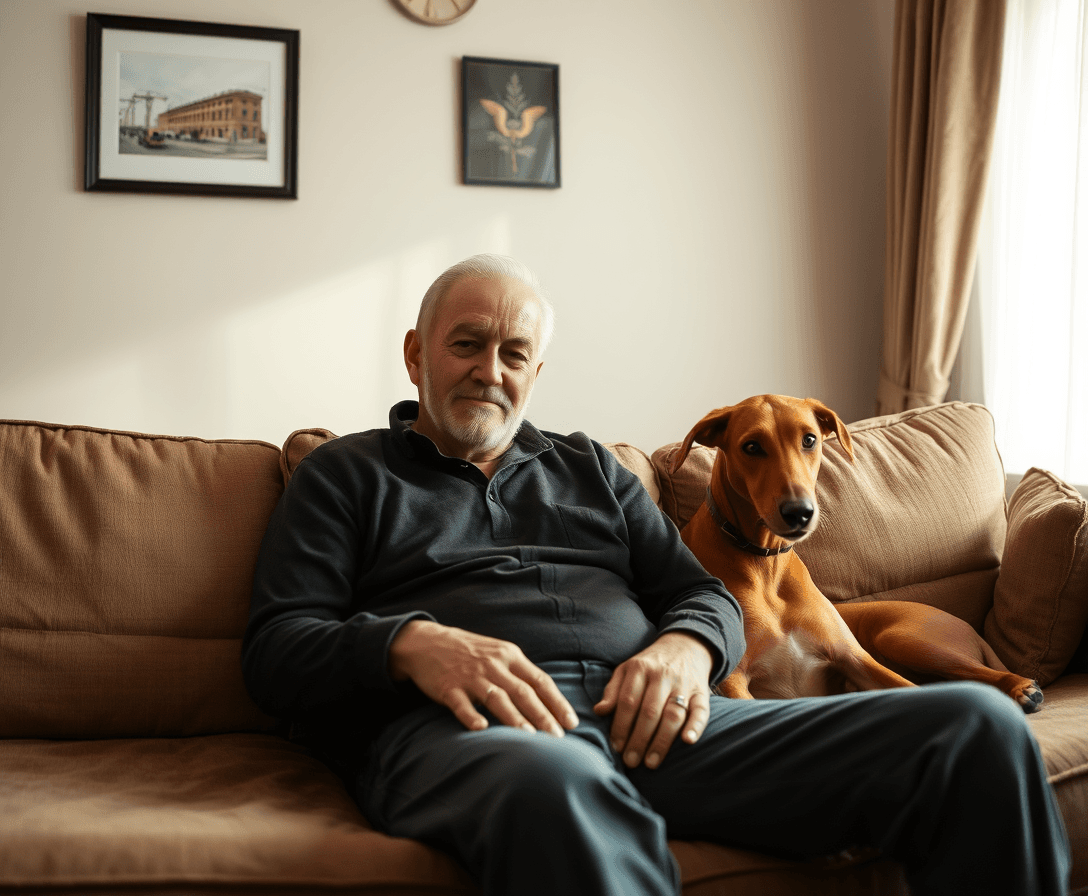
(112, 165)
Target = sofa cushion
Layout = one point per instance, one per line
(253, 812)
(302, 441)
(236, 809)
(1041, 598)
(918, 515)
(1062, 734)
(126, 563)
(638, 462)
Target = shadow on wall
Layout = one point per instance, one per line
(844, 157)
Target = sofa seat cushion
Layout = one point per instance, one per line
(214, 813)
(1061, 728)
(237, 809)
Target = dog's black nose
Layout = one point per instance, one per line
(797, 514)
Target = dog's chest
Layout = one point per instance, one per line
(788, 666)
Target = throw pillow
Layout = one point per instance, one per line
(1041, 597)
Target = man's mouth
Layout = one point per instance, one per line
(486, 401)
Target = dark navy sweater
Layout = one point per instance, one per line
(562, 552)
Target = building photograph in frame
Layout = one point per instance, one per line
(191, 107)
(510, 122)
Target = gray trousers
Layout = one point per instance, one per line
(946, 778)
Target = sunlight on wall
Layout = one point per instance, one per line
(328, 355)
(331, 355)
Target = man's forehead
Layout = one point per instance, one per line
(502, 305)
(522, 326)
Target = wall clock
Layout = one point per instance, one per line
(434, 12)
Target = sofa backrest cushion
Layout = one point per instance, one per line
(126, 563)
(918, 515)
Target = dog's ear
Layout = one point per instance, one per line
(704, 432)
(830, 423)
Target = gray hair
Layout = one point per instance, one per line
(489, 267)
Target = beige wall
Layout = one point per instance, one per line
(719, 231)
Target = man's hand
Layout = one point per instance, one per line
(643, 692)
(459, 669)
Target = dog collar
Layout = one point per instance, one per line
(734, 533)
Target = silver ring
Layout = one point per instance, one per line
(680, 701)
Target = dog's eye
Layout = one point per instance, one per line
(751, 448)
(809, 441)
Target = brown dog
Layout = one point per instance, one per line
(760, 503)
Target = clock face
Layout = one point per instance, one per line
(435, 12)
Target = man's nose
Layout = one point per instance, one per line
(488, 370)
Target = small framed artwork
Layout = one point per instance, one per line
(191, 107)
(510, 122)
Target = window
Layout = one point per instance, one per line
(1028, 336)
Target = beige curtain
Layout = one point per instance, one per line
(945, 82)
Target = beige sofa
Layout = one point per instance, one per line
(132, 760)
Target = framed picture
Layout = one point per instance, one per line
(510, 122)
(191, 107)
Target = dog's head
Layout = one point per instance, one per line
(770, 448)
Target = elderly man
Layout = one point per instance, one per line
(504, 648)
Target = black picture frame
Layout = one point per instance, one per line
(233, 129)
(510, 123)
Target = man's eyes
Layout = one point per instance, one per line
(468, 346)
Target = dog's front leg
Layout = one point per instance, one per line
(736, 686)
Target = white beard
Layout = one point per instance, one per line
(486, 429)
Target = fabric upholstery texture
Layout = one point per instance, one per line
(1062, 732)
(234, 808)
(125, 569)
(1041, 598)
(919, 514)
(300, 443)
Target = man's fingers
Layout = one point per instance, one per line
(461, 706)
(546, 691)
(690, 719)
(608, 698)
(628, 696)
(463, 671)
(655, 714)
(533, 702)
(498, 703)
(698, 716)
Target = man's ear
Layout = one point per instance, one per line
(411, 357)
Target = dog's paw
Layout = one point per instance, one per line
(1030, 698)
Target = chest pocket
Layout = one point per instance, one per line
(587, 529)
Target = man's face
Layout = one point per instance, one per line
(476, 365)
